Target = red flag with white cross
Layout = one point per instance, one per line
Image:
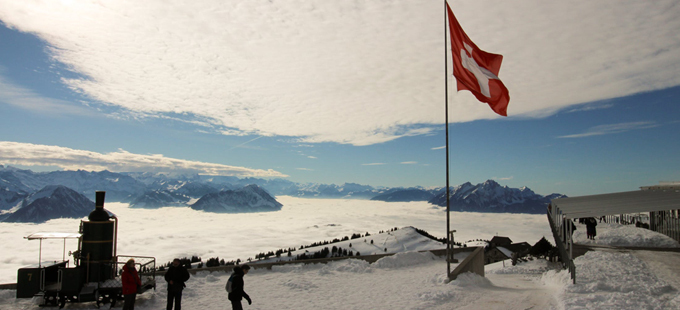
(476, 70)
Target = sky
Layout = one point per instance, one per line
(335, 92)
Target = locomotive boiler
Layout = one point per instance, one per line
(95, 272)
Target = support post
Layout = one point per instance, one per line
(446, 124)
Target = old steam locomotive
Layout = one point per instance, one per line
(95, 274)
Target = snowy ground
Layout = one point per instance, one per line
(606, 279)
(623, 235)
(167, 233)
(417, 281)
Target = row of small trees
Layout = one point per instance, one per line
(325, 252)
(211, 262)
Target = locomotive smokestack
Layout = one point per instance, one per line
(99, 200)
(99, 214)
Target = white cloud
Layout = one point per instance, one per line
(323, 70)
(591, 108)
(26, 99)
(439, 148)
(244, 143)
(409, 162)
(503, 179)
(612, 129)
(15, 153)
(311, 157)
(304, 169)
(301, 221)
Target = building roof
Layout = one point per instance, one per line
(652, 198)
(505, 251)
(500, 240)
(518, 247)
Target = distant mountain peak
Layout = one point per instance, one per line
(52, 201)
(490, 196)
(251, 198)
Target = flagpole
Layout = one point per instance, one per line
(446, 123)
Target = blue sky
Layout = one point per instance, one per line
(333, 92)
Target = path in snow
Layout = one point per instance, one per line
(665, 265)
(507, 291)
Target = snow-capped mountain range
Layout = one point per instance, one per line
(53, 201)
(155, 190)
(492, 197)
(251, 198)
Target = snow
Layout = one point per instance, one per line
(623, 235)
(505, 251)
(401, 240)
(613, 281)
(413, 280)
(608, 278)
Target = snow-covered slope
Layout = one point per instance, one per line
(492, 197)
(418, 281)
(624, 235)
(396, 241)
(406, 194)
(49, 203)
(158, 199)
(10, 199)
(251, 198)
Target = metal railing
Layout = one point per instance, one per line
(563, 240)
(146, 267)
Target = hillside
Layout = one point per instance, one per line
(394, 241)
(405, 195)
(251, 198)
(491, 197)
(49, 203)
(154, 190)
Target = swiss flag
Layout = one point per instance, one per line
(476, 70)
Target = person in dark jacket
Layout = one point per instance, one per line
(176, 276)
(131, 283)
(591, 222)
(235, 287)
(565, 230)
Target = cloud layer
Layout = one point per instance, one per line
(28, 154)
(359, 72)
(613, 129)
(181, 232)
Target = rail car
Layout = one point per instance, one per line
(95, 273)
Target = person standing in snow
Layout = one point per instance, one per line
(235, 287)
(590, 227)
(131, 283)
(565, 230)
(176, 276)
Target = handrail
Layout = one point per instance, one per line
(567, 262)
(472, 263)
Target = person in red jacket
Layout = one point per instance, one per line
(131, 284)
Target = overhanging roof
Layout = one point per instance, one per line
(618, 203)
(52, 235)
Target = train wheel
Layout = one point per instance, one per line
(97, 298)
(51, 300)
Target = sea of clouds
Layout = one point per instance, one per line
(178, 232)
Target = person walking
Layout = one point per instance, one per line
(591, 222)
(131, 283)
(235, 287)
(176, 276)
